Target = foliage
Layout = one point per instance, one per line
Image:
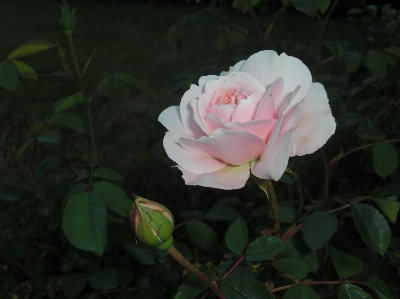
(64, 225)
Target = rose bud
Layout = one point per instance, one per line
(68, 20)
(152, 223)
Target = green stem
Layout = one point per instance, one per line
(274, 205)
(189, 266)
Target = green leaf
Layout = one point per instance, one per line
(30, 48)
(180, 295)
(319, 228)
(46, 164)
(84, 221)
(193, 286)
(389, 207)
(385, 158)
(24, 147)
(300, 292)
(174, 34)
(244, 288)
(222, 212)
(352, 61)
(202, 235)
(372, 227)
(308, 7)
(103, 85)
(106, 173)
(9, 195)
(236, 237)
(286, 212)
(49, 136)
(323, 7)
(103, 279)
(36, 128)
(24, 70)
(393, 50)
(375, 283)
(145, 255)
(123, 88)
(114, 197)
(131, 80)
(349, 291)
(69, 120)
(263, 248)
(8, 75)
(73, 285)
(345, 264)
(293, 267)
(376, 64)
(68, 102)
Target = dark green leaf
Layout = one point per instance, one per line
(36, 128)
(25, 146)
(385, 158)
(114, 197)
(143, 254)
(174, 34)
(82, 174)
(202, 235)
(263, 248)
(393, 50)
(193, 285)
(24, 70)
(9, 195)
(30, 48)
(389, 207)
(123, 87)
(345, 264)
(319, 228)
(376, 64)
(180, 295)
(236, 236)
(286, 212)
(349, 291)
(293, 267)
(73, 285)
(323, 7)
(244, 288)
(84, 221)
(131, 80)
(222, 212)
(375, 283)
(372, 227)
(8, 75)
(69, 120)
(102, 280)
(106, 173)
(47, 164)
(300, 292)
(68, 102)
(49, 136)
(308, 7)
(352, 61)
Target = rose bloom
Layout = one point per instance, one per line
(252, 118)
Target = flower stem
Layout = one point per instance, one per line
(274, 205)
(189, 266)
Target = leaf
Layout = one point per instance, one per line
(36, 128)
(143, 254)
(73, 285)
(308, 7)
(263, 248)
(24, 70)
(24, 147)
(376, 64)
(68, 102)
(323, 7)
(286, 212)
(103, 279)
(9, 195)
(30, 48)
(8, 75)
(352, 61)
(319, 228)
(375, 283)
(174, 34)
(193, 286)
(393, 50)
(300, 292)
(345, 264)
(202, 235)
(49, 136)
(293, 267)
(180, 295)
(385, 158)
(46, 164)
(389, 207)
(84, 221)
(114, 197)
(106, 173)
(236, 237)
(222, 212)
(244, 288)
(131, 80)
(372, 227)
(69, 120)
(349, 291)
(123, 88)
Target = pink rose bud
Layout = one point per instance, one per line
(152, 223)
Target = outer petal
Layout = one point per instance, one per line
(232, 147)
(171, 119)
(273, 163)
(186, 111)
(266, 66)
(316, 123)
(245, 82)
(228, 178)
(266, 109)
(194, 162)
(235, 68)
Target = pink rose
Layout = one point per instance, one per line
(251, 118)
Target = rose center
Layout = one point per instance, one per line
(230, 96)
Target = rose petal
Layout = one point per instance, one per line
(316, 123)
(196, 115)
(186, 111)
(245, 82)
(228, 178)
(205, 79)
(223, 112)
(233, 147)
(171, 119)
(273, 163)
(290, 118)
(266, 109)
(191, 161)
(246, 109)
(235, 68)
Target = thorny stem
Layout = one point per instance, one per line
(318, 283)
(274, 205)
(189, 266)
(234, 266)
(256, 24)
